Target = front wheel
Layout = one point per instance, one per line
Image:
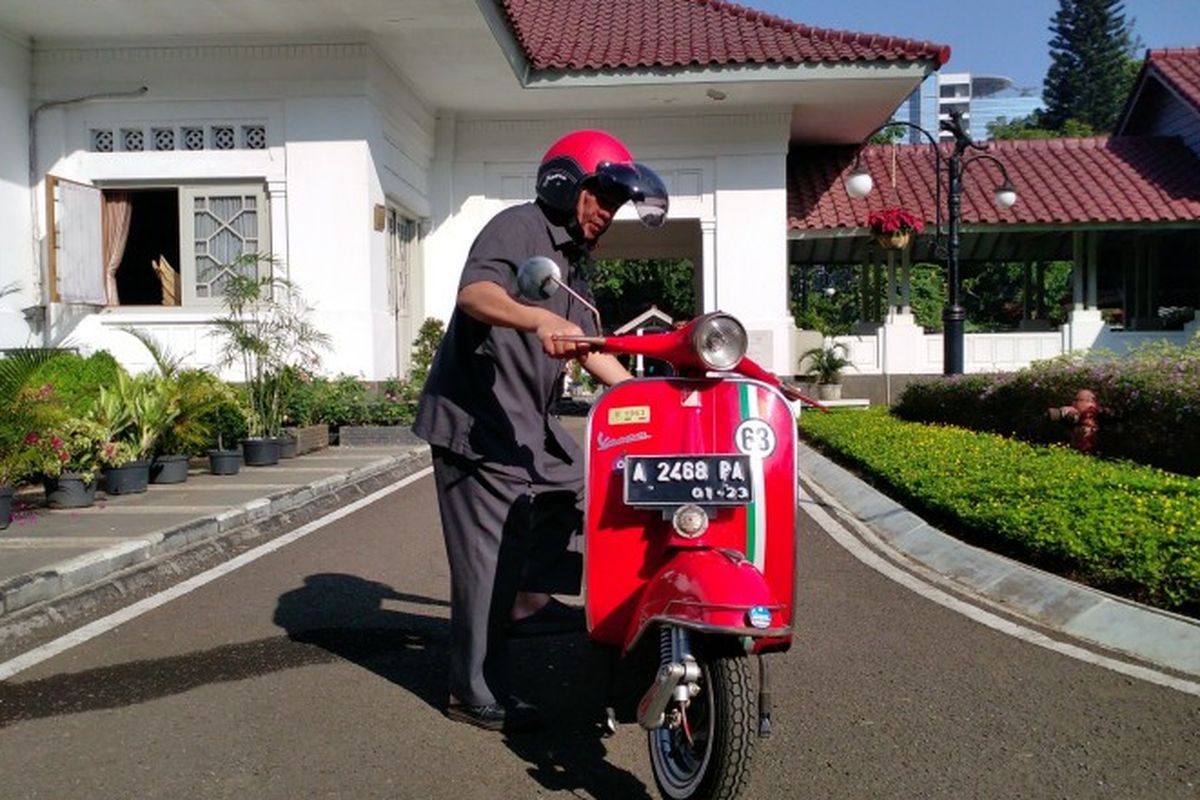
(704, 750)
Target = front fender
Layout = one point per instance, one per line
(710, 591)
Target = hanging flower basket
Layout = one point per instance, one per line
(893, 241)
(893, 227)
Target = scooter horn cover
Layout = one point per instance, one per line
(599, 160)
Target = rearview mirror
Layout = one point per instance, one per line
(538, 278)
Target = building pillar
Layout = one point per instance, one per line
(1078, 254)
(277, 200)
(1093, 268)
(708, 265)
(1027, 292)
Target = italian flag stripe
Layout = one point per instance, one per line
(756, 512)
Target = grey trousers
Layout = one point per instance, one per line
(504, 534)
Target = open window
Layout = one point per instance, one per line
(153, 246)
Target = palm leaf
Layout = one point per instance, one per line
(16, 367)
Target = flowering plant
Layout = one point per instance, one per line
(29, 409)
(73, 447)
(887, 221)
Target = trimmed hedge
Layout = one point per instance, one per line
(1128, 529)
(1152, 398)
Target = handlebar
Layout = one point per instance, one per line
(667, 345)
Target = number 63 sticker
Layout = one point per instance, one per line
(754, 437)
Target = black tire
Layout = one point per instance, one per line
(722, 721)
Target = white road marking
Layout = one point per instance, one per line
(93, 629)
(869, 557)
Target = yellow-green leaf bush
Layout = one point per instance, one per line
(1122, 527)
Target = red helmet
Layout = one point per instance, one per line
(600, 161)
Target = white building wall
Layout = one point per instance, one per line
(730, 164)
(16, 256)
(344, 134)
(401, 151)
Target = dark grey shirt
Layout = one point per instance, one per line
(490, 389)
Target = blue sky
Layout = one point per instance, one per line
(997, 37)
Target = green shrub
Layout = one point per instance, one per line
(224, 417)
(343, 400)
(1152, 397)
(1129, 529)
(76, 380)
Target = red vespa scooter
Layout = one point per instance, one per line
(690, 540)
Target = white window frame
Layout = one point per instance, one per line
(188, 193)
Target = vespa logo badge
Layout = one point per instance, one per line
(759, 617)
(604, 442)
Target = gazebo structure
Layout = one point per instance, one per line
(1124, 209)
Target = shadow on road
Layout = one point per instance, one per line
(346, 616)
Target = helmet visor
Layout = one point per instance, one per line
(616, 183)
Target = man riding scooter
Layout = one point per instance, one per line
(509, 478)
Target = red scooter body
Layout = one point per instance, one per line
(736, 577)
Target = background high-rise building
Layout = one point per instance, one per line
(982, 99)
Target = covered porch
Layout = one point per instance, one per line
(1125, 213)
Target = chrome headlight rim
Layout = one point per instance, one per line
(730, 331)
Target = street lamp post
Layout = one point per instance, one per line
(859, 185)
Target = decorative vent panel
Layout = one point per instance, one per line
(102, 140)
(223, 138)
(133, 140)
(193, 138)
(164, 138)
(252, 136)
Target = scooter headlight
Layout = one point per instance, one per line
(690, 521)
(720, 341)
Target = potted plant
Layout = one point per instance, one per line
(266, 329)
(225, 422)
(136, 413)
(68, 462)
(183, 432)
(893, 227)
(825, 365)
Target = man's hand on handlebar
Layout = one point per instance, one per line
(550, 332)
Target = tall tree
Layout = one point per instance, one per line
(1089, 75)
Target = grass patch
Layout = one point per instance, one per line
(1125, 528)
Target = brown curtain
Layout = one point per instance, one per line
(115, 215)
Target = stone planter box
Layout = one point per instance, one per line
(309, 438)
(376, 436)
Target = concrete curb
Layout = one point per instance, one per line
(73, 575)
(1158, 637)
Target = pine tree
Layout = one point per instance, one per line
(1089, 75)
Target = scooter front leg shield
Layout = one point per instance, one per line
(712, 591)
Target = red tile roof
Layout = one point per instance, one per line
(632, 34)
(1058, 181)
(1179, 68)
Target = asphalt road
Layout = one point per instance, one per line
(317, 671)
